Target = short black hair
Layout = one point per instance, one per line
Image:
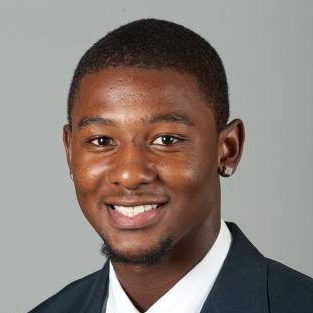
(159, 44)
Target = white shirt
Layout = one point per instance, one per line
(189, 293)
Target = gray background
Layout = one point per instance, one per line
(268, 53)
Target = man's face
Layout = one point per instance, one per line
(143, 150)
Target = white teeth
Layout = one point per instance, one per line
(135, 210)
(139, 209)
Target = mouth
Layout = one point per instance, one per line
(135, 216)
(134, 210)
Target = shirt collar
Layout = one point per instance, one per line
(183, 297)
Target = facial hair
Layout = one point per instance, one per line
(148, 258)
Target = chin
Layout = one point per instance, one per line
(135, 255)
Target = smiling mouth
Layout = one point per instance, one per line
(131, 211)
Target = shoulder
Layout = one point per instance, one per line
(69, 297)
(289, 290)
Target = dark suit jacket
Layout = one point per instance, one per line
(247, 283)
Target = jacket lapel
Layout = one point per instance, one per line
(241, 285)
(97, 293)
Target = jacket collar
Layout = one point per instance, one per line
(241, 285)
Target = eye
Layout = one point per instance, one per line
(166, 140)
(102, 141)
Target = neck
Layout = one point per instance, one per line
(144, 284)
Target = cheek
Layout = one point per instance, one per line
(88, 178)
(188, 174)
(88, 172)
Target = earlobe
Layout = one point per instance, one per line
(225, 171)
(67, 141)
(231, 141)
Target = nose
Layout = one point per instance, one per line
(132, 168)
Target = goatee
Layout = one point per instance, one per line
(153, 256)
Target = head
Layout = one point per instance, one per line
(146, 138)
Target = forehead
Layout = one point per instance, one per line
(144, 90)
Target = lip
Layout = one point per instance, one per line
(131, 203)
(142, 220)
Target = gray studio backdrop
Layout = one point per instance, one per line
(268, 53)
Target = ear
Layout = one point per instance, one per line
(231, 140)
(67, 141)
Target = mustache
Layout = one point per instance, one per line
(126, 195)
(134, 196)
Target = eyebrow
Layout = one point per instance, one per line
(95, 120)
(172, 117)
(175, 117)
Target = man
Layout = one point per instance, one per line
(146, 141)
